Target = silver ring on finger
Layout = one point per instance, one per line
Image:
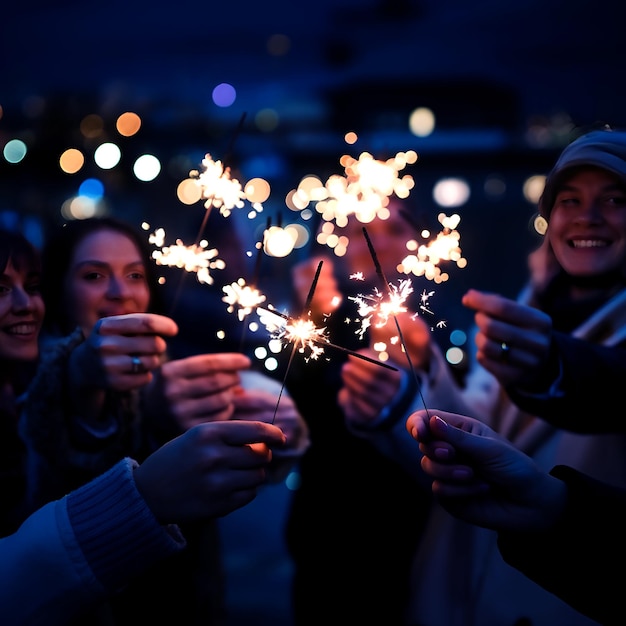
(136, 365)
(505, 352)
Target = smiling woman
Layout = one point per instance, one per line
(21, 315)
(547, 367)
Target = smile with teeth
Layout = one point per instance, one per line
(21, 329)
(589, 243)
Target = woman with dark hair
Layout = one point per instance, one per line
(58, 252)
(21, 317)
(73, 553)
(107, 390)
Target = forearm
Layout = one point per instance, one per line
(75, 552)
(589, 374)
(572, 558)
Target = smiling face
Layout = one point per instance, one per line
(21, 312)
(107, 276)
(587, 228)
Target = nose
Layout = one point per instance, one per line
(116, 288)
(22, 300)
(591, 211)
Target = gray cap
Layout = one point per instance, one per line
(601, 148)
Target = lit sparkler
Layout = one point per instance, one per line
(303, 334)
(376, 306)
(361, 194)
(242, 297)
(195, 258)
(381, 274)
(426, 257)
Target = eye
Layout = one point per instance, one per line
(92, 275)
(566, 199)
(137, 276)
(33, 287)
(618, 200)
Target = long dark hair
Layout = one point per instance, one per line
(15, 247)
(57, 256)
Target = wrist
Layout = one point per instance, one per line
(552, 501)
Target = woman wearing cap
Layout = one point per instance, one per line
(558, 351)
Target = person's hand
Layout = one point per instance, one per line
(209, 471)
(367, 388)
(480, 477)
(513, 340)
(201, 387)
(121, 352)
(327, 296)
(264, 406)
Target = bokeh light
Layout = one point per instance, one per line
(147, 167)
(71, 161)
(224, 95)
(107, 156)
(14, 150)
(128, 124)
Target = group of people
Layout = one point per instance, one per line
(541, 405)
(111, 446)
(425, 499)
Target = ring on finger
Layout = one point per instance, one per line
(137, 366)
(505, 351)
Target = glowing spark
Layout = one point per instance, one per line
(217, 187)
(445, 247)
(375, 304)
(362, 193)
(303, 334)
(242, 297)
(194, 258)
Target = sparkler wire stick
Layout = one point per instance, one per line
(381, 274)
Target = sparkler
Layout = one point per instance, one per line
(307, 305)
(197, 258)
(220, 191)
(381, 274)
(303, 333)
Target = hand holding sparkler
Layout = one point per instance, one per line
(367, 389)
(257, 401)
(513, 341)
(209, 471)
(198, 388)
(121, 352)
